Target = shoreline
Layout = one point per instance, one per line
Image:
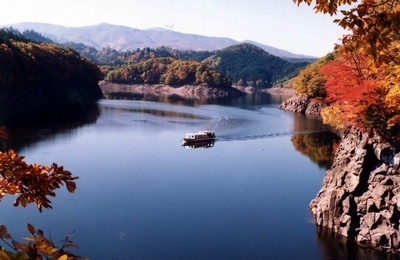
(188, 91)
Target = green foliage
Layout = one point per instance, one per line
(168, 71)
(251, 64)
(310, 82)
(36, 37)
(7, 35)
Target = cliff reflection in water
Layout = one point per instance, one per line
(320, 147)
(334, 246)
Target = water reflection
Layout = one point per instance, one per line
(258, 98)
(205, 144)
(170, 99)
(319, 147)
(334, 246)
(21, 137)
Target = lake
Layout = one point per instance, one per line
(142, 195)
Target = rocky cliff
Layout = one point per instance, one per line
(303, 105)
(360, 195)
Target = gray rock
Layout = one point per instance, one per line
(303, 105)
(360, 194)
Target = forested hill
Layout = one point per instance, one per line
(24, 62)
(168, 71)
(247, 64)
(40, 81)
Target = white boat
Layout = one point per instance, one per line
(200, 136)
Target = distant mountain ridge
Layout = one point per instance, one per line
(124, 38)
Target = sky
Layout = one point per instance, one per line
(277, 23)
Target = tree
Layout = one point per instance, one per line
(363, 81)
(310, 82)
(374, 25)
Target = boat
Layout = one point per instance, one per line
(195, 145)
(200, 136)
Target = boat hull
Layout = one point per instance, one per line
(190, 140)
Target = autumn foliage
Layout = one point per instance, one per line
(32, 183)
(362, 82)
(310, 82)
(168, 71)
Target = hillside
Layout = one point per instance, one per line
(168, 71)
(245, 64)
(124, 38)
(248, 64)
(41, 81)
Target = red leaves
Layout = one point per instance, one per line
(356, 92)
(3, 132)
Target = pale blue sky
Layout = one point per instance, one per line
(278, 23)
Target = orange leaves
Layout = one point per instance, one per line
(326, 6)
(32, 183)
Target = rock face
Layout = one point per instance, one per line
(360, 195)
(303, 105)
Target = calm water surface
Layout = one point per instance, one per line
(142, 195)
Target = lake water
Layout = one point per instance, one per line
(142, 195)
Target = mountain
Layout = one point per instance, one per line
(247, 64)
(124, 38)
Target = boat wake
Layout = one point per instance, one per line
(228, 122)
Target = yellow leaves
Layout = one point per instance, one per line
(4, 256)
(63, 257)
(39, 247)
(392, 99)
(332, 115)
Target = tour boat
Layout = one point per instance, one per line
(200, 136)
